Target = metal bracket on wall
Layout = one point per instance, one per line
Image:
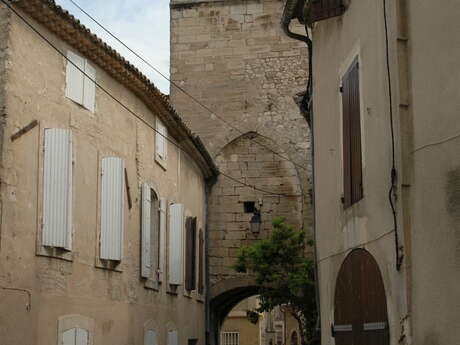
(24, 130)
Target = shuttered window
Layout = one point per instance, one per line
(161, 143)
(173, 338)
(162, 269)
(176, 233)
(150, 338)
(324, 9)
(352, 156)
(75, 336)
(80, 86)
(112, 206)
(190, 251)
(150, 233)
(57, 189)
(200, 263)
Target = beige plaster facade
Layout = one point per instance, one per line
(234, 59)
(423, 297)
(45, 292)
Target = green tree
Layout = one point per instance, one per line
(285, 274)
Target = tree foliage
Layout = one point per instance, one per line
(285, 274)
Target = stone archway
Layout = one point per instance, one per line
(228, 217)
(225, 295)
(278, 192)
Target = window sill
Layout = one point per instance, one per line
(163, 163)
(152, 285)
(110, 265)
(54, 252)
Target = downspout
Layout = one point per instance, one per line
(291, 7)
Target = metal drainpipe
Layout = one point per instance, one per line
(308, 41)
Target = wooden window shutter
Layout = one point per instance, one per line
(146, 231)
(201, 263)
(190, 272)
(155, 239)
(112, 207)
(150, 338)
(193, 254)
(176, 233)
(324, 9)
(75, 336)
(162, 244)
(188, 254)
(89, 87)
(75, 77)
(57, 189)
(173, 338)
(352, 151)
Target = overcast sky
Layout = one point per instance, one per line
(143, 25)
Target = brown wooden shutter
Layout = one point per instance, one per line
(188, 249)
(201, 263)
(324, 9)
(355, 137)
(193, 255)
(190, 270)
(352, 155)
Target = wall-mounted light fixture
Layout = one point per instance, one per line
(255, 222)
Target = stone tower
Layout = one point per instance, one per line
(232, 56)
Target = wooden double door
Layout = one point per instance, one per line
(360, 311)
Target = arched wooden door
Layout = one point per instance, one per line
(360, 311)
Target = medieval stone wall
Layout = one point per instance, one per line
(233, 57)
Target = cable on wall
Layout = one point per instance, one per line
(179, 87)
(126, 107)
(392, 194)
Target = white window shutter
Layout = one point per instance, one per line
(161, 141)
(81, 336)
(150, 338)
(57, 189)
(173, 338)
(68, 337)
(75, 77)
(161, 264)
(176, 233)
(146, 231)
(112, 207)
(89, 87)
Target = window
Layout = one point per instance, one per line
(173, 338)
(112, 207)
(249, 206)
(150, 337)
(75, 336)
(161, 142)
(152, 233)
(230, 338)
(176, 233)
(80, 86)
(190, 252)
(352, 160)
(57, 189)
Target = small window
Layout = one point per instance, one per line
(173, 337)
(150, 337)
(249, 207)
(80, 77)
(230, 338)
(75, 336)
(192, 342)
(161, 142)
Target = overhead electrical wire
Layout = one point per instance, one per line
(127, 108)
(197, 101)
